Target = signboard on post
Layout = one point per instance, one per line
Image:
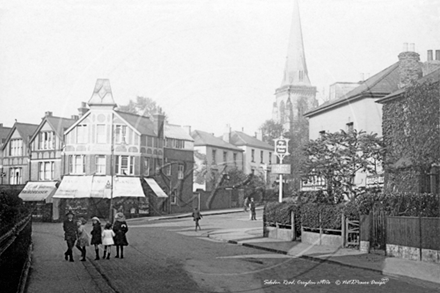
(281, 150)
(281, 169)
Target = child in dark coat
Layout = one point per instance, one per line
(197, 216)
(120, 228)
(96, 235)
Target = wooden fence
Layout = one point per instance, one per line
(418, 232)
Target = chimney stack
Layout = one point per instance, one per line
(83, 109)
(159, 125)
(227, 133)
(410, 69)
(187, 128)
(48, 114)
(429, 57)
(260, 134)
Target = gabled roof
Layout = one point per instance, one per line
(4, 131)
(433, 77)
(26, 130)
(239, 138)
(177, 132)
(202, 138)
(377, 86)
(142, 124)
(58, 124)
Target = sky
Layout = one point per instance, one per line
(207, 63)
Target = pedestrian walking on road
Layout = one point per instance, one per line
(69, 227)
(197, 216)
(107, 240)
(246, 203)
(83, 238)
(253, 211)
(96, 235)
(120, 228)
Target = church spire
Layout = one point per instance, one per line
(295, 71)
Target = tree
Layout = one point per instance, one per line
(338, 156)
(271, 130)
(143, 106)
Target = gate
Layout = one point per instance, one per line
(378, 228)
(351, 232)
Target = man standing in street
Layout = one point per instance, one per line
(253, 211)
(70, 229)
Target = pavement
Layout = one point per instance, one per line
(48, 274)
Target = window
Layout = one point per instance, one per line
(149, 141)
(225, 157)
(124, 165)
(167, 170)
(46, 140)
(175, 143)
(82, 133)
(77, 164)
(16, 147)
(214, 154)
(261, 157)
(15, 176)
(270, 158)
(180, 171)
(350, 127)
(253, 155)
(46, 171)
(234, 156)
(100, 133)
(100, 164)
(173, 199)
(120, 133)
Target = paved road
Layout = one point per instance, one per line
(169, 256)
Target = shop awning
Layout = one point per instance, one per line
(155, 187)
(38, 191)
(74, 187)
(99, 187)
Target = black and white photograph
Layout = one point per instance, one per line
(208, 146)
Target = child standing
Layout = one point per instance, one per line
(107, 239)
(96, 235)
(197, 216)
(83, 238)
(120, 228)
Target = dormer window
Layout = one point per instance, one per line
(16, 147)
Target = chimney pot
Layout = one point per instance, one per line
(437, 55)
(74, 117)
(227, 134)
(412, 47)
(405, 47)
(429, 57)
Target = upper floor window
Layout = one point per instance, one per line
(175, 143)
(77, 164)
(100, 164)
(261, 157)
(100, 134)
(46, 171)
(252, 155)
(46, 140)
(225, 157)
(180, 171)
(82, 133)
(16, 147)
(234, 157)
(124, 165)
(120, 133)
(270, 158)
(15, 176)
(214, 154)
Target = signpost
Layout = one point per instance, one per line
(281, 150)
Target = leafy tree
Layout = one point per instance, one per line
(271, 130)
(338, 156)
(142, 106)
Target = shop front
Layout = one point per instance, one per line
(38, 196)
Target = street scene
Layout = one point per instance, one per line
(202, 261)
(220, 146)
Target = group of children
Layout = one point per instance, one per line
(111, 235)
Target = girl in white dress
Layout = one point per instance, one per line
(107, 239)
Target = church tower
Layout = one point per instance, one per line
(296, 95)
